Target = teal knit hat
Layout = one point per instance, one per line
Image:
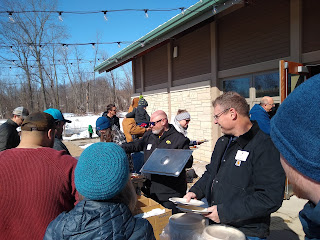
(102, 171)
(295, 128)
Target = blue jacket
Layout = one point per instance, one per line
(99, 220)
(262, 117)
(309, 217)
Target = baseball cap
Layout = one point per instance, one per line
(38, 121)
(56, 114)
(21, 111)
(102, 123)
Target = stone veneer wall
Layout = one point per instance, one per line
(197, 101)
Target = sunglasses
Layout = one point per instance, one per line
(154, 123)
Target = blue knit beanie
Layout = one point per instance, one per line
(295, 129)
(102, 123)
(102, 171)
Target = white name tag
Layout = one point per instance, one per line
(149, 146)
(242, 155)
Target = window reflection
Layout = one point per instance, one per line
(240, 85)
(267, 84)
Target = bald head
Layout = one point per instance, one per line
(267, 103)
(160, 120)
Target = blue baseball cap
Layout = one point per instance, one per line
(102, 123)
(56, 114)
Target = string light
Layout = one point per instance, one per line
(40, 47)
(10, 16)
(119, 46)
(105, 15)
(60, 16)
(142, 44)
(146, 13)
(214, 10)
(11, 48)
(93, 45)
(182, 10)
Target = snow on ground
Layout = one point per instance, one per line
(78, 128)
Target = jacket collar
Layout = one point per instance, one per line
(245, 138)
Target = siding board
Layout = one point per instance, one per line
(137, 73)
(256, 33)
(310, 26)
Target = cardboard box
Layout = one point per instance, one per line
(158, 222)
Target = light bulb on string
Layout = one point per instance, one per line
(105, 15)
(214, 10)
(182, 10)
(119, 46)
(60, 16)
(142, 44)
(146, 12)
(11, 48)
(40, 47)
(65, 46)
(10, 17)
(10, 69)
(93, 45)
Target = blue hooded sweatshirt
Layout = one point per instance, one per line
(262, 117)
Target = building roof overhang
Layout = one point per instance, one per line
(191, 16)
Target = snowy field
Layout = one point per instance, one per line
(78, 128)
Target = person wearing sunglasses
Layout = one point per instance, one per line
(244, 182)
(259, 113)
(162, 135)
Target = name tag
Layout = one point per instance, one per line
(149, 146)
(242, 155)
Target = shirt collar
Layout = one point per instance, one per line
(245, 138)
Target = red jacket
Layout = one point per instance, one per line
(36, 185)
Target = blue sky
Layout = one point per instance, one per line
(121, 26)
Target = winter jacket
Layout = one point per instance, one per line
(99, 220)
(262, 117)
(59, 145)
(139, 114)
(309, 217)
(163, 187)
(113, 121)
(9, 137)
(248, 190)
(130, 128)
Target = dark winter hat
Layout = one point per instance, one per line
(295, 128)
(56, 114)
(142, 102)
(38, 121)
(102, 123)
(102, 171)
(21, 111)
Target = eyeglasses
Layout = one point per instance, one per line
(220, 113)
(154, 123)
(271, 104)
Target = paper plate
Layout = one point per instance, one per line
(193, 202)
(193, 209)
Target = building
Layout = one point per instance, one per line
(217, 46)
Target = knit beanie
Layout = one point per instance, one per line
(142, 102)
(102, 171)
(102, 123)
(182, 116)
(295, 129)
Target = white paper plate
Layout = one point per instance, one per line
(193, 209)
(193, 202)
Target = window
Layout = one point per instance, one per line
(239, 85)
(266, 84)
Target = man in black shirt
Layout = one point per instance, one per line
(111, 115)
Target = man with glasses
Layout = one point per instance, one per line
(244, 182)
(111, 114)
(259, 113)
(9, 136)
(162, 135)
(60, 122)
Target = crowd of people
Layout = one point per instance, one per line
(47, 193)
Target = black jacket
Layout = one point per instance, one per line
(9, 137)
(99, 220)
(59, 145)
(163, 187)
(139, 114)
(247, 194)
(113, 121)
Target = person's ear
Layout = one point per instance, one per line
(51, 133)
(233, 113)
